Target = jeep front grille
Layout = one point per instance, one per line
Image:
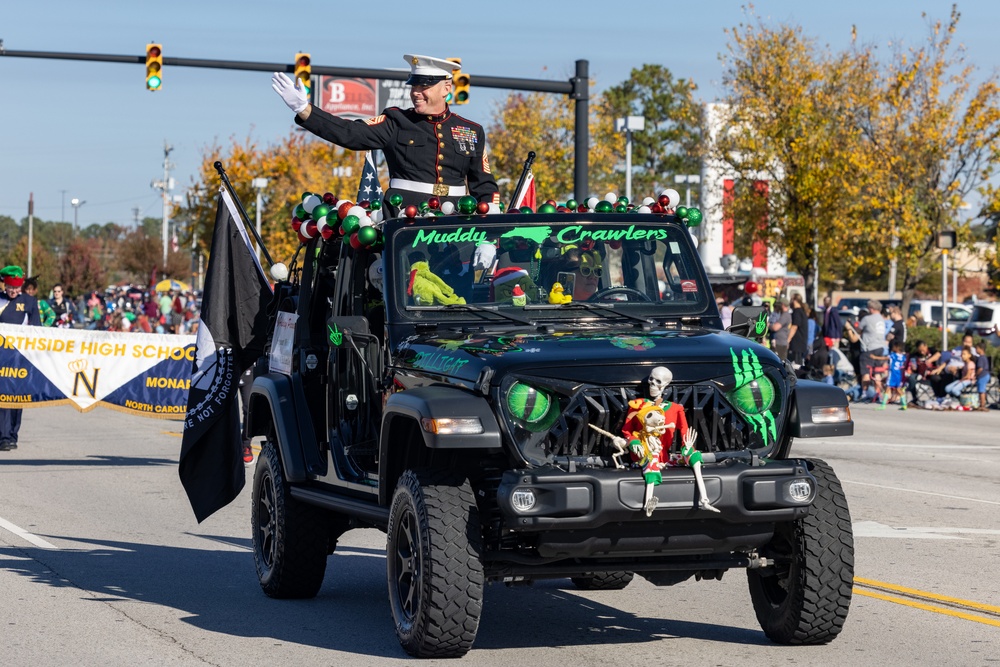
(719, 426)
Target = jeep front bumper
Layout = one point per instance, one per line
(543, 499)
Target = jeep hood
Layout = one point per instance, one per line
(693, 354)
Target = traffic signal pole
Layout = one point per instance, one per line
(577, 88)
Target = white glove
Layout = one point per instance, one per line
(293, 94)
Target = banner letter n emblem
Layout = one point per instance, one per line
(89, 384)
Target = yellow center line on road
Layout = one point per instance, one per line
(917, 599)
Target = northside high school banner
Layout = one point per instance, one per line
(138, 373)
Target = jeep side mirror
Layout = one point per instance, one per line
(749, 322)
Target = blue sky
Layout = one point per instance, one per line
(94, 131)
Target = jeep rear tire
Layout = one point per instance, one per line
(290, 538)
(804, 597)
(433, 564)
(603, 581)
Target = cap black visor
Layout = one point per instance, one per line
(424, 80)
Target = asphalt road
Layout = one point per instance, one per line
(102, 563)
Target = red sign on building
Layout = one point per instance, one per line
(349, 98)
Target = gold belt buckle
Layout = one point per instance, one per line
(441, 190)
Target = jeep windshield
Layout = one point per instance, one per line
(546, 267)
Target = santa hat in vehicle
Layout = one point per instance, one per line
(12, 276)
(506, 279)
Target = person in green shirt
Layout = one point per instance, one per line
(45, 312)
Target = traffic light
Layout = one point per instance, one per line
(303, 71)
(154, 66)
(460, 82)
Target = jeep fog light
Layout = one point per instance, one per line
(800, 490)
(831, 415)
(453, 426)
(522, 499)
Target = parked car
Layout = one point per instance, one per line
(931, 313)
(985, 322)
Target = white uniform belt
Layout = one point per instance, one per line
(438, 189)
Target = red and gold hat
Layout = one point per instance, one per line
(12, 276)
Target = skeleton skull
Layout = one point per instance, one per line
(659, 378)
(656, 423)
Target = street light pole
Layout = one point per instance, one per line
(259, 184)
(76, 204)
(629, 124)
(687, 179)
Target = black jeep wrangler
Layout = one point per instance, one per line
(457, 385)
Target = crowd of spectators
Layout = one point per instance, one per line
(123, 308)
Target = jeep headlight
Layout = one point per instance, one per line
(533, 408)
(754, 397)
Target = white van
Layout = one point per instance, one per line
(930, 311)
(985, 322)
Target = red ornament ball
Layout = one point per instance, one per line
(514, 209)
(296, 223)
(751, 287)
(411, 211)
(302, 237)
(582, 208)
(328, 232)
(561, 209)
(343, 209)
(310, 229)
(614, 245)
(663, 200)
(482, 208)
(365, 204)
(434, 203)
(329, 199)
(551, 202)
(655, 208)
(355, 243)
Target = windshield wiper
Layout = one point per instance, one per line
(593, 307)
(482, 310)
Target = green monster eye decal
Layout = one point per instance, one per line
(533, 407)
(754, 393)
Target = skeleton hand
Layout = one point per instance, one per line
(690, 437)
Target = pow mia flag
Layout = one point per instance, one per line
(231, 337)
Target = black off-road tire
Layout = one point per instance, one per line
(290, 538)
(603, 581)
(433, 564)
(804, 598)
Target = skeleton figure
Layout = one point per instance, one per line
(658, 381)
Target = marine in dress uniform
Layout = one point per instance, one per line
(15, 308)
(430, 150)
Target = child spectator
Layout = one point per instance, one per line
(983, 373)
(897, 374)
(968, 374)
(828, 371)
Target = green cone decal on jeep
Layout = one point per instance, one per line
(754, 393)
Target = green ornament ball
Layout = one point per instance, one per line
(623, 200)
(300, 213)
(367, 235)
(681, 211)
(572, 204)
(351, 224)
(525, 209)
(423, 207)
(467, 205)
(604, 206)
(694, 217)
(376, 205)
(621, 208)
(546, 208)
(320, 211)
(395, 199)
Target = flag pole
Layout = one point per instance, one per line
(246, 219)
(520, 181)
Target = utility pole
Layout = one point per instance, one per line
(62, 218)
(31, 227)
(165, 186)
(135, 215)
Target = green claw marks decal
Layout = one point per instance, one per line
(336, 336)
(754, 393)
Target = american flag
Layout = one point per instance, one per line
(368, 187)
